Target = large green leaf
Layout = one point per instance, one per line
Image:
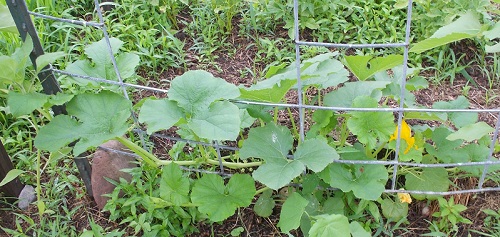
(321, 71)
(100, 116)
(467, 26)
(330, 225)
(220, 121)
(25, 103)
(325, 73)
(365, 66)
(268, 142)
(98, 51)
(430, 179)
(476, 153)
(344, 96)
(292, 212)
(316, 154)
(219, 201)
(47, 58)
(273, 94)
(471, 132)
(272, 144)
(265, 204)
(460, 119)
(14, 67)
(365, 181)
(491, 34)
(7, 24)
(394, 210)
(357, 230)
(101, 66)
(195, 90)
(160, 114)
(444, 150)
(277, 173)
(61, 131)
(174, 187)
(21, 104)
(370, 127)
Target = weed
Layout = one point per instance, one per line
(449, 216)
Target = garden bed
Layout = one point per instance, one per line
(242, 55)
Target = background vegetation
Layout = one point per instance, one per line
(165, 38)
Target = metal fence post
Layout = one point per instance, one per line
(14, 187)
(21, 16)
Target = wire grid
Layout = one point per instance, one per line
(301, 106)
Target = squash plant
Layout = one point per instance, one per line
(326, 194)
(203, 108)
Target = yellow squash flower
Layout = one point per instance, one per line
(405, 135)
(404, 197)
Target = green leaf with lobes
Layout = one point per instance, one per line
(330, 225)
(47, 58)
(265, 204)
(272, 94)
(220, 201)
(174, 187)
(25, 103)
(365, 181)
(14, 66)
(272, 144)
(344, 96)
(101, 66)
(394, 210)
(277, 173)
(370, 127)
(291, 212)
(268, 142)
(357, 230)
(430, 179)
(101, 117)
(220, 121)
(160, 114)
(195, 90)
(460, 119)
(365, 66)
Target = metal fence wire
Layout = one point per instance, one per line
(23, 21)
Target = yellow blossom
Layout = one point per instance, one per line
(404, 197)
(405, 135)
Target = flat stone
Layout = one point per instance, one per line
(26, 197)
(108, 164)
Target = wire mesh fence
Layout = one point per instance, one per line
(399, 109)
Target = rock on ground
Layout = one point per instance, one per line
(27, 196)
(109, 164)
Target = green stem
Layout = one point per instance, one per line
(38, 182)
(233, 165)
(32, 122)
(152, 160)
(375, 153)
(261, 190)
(149, 158)
(203, 152)
(343, 133)
(295, 132)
